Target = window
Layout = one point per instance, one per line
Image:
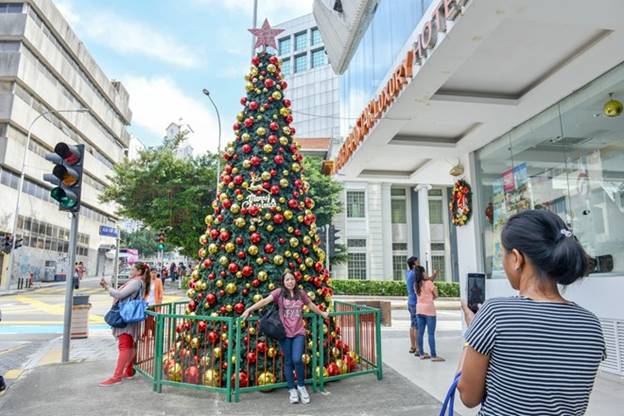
(398, 211)
(564, 160)
(318, 58)
(300, 41)
(300, 63)
(399, 265)
(397, 192)
(399, 246)
(356, 266)
(10, 8)
(439, 263)
(286, 67)
(315, 37)
(9, 46)
(356, 243)
(435, 211)
(284, 46)
(355, 204)
(437, 246)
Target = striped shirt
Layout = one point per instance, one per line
(544, 356)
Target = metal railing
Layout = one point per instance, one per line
(355, 351)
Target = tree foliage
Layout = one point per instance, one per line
(324, 190)
(166, 192)
(143, 240)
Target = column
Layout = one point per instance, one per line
(423, 226)
(386, 228)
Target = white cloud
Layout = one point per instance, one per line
(158, 101)
(276, 11)
(129, 37)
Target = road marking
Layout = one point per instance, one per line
(14, 348)
(42, 306)
(13, 374)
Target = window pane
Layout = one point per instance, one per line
(316, 37)
(300, 41)
(355, 204)
(284, 46)
(439, 263)
(399, 246)
(398, 211)
(435, 211)
(286, 67)
(356, 243)
(318, 58)
(300, 63)
(397, 192)
(399, 265)
(356, 266)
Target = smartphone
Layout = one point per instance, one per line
(476, 290)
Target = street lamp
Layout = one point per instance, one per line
(207, 94)
(21, 182)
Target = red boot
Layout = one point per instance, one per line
(125, 355)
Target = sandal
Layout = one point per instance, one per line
(425, 357)
(412, 350)
(437, 359)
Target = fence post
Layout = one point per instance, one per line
(158, 354)
(315, 340)
(229, 361)
(357, 330)
(237, 365)
(322, 356)
(378, 342)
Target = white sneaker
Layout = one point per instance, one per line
(303, 393)
(293, 397)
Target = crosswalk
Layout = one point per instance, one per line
(60, 290)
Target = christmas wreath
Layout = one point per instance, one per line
(461, 203)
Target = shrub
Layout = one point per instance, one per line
(388, 288)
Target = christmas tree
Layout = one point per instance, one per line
(262, 223)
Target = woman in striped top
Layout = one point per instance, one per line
(537, 353)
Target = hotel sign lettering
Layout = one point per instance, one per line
(445, 11)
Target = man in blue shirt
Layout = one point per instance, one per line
(412, 264)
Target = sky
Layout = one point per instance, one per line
(166, 52)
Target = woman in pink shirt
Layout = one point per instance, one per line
(426, 313)
(291, 300)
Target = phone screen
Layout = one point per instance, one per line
(476, 290)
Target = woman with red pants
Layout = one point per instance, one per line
(139, 282)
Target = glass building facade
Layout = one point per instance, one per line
(569, 159)
(392, 24)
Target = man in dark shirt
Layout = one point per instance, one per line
(412, 264)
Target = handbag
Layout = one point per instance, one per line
(449, 401)
(133, 310)
(113, 317)
(271, 324)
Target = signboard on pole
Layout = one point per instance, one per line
(108, 231)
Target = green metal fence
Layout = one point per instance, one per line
(220, 368)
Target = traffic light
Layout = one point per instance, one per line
(7, 243)
(66, 175)
(161, 241)
(333, 238)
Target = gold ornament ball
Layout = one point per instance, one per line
(288, 214)
(265, 176)
(287, 253)
(290, 230)
(269, 228)
(174, 372)
(258, 117)
(309, 261)
(211, 378)
(195, 275)
(259, 261)
(296, 256)
(190, 293)
(311, 295)
(282, 200)
(283, 182)
(223, 260)
(208, 219)
(283, 140)
(245, 137)
(202, 253)
(318, 372)
(267, 216)
(286, 131)
(231, 185)
(239, 222)
(249, 87)
(267, 148)
(307, 240)
(272, 352)
(294, 242)
(283, 111)
(612, 108)
(302, 267)
(219, 283)
(271, 68)
(274, 116)
(239, 274)
(261, 131)
(306, 358)
(224, 337)
(271, 286)
(246, 164)
(278, 260)
(295, 167)
(195, 342)
(230, 247)
(276, 95)
(240, 116)
(252, 250)
(252, 228)
(257, 298)
(230, 288)
(228, 308)
(266, 378)
(235, 208)
(240, 197)
(263, 276)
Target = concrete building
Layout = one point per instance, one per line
(173, 129)
(525, 93)
(45, 67)
(312, 85)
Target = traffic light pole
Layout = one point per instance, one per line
(116, 266)
(69, 286)
(327, 246)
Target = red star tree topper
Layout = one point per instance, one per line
(261, 224)
(265, 36)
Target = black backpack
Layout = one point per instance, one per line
(271, 325)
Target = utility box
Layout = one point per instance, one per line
(80, 317)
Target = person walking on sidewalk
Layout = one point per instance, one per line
(410, 280)
(155, 297)
(126, 336)
(426, 312)
(290, 301)
(537, 353)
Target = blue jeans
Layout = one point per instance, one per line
(293, 350)
(430, 323)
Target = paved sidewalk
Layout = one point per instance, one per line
(400, 302)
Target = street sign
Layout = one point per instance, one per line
(108, 231)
